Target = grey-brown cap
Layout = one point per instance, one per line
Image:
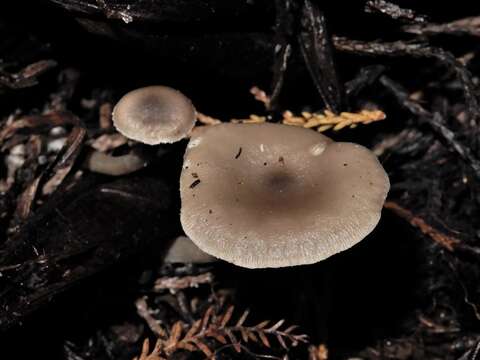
(269, 195)
(154, 115)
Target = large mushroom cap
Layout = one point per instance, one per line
(268, 195)
(154, 115)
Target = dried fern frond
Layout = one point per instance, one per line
(146, 354)
(329, 120)
(319, 121)
(253, 119)
(207, 120)
(219, 329)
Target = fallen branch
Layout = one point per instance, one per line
(435, 121)
(445, 241)
(416, 50)
(394, 11)
(465, 26)
(174, 283)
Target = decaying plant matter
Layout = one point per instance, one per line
(219, 329)
(320, 122)
(210, 325)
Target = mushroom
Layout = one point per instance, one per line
(270, 195)
(154, 115)
(106, 164)
(183, 250)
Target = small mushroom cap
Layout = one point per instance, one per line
(154, 115)
(183, 250)
(269, 195)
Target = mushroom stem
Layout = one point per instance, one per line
(183, 250)
(106, 164)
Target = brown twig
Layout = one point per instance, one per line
(105, 116)
(56, 118)
(148, 354)
(26, 198)
(107, 142)
(394, 11)
(53, 176)
(26, 77)
(260, 95)
(65, 160)
(465, 26)
(178, 283)
(144, 312)
(442, 239)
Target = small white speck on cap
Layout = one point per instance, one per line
(318, 149)
(194, 142)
